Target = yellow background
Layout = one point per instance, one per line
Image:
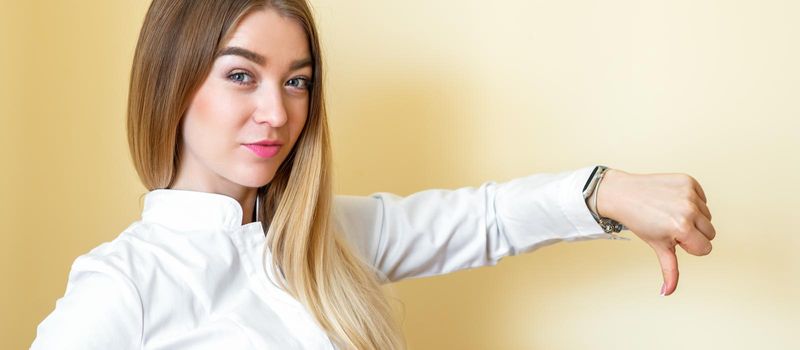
(443, 94)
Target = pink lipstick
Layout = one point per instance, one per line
(264, 149)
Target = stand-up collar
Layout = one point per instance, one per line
(191, 210)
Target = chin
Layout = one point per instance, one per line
(251, 175)
(253, 178)
(255, 182)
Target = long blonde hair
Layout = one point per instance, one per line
(174, 54)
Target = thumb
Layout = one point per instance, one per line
(669, 268)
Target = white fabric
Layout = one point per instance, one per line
(188, 275)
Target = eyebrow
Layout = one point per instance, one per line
(258, 59)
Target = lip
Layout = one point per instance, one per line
(264, 148)
(266, 143)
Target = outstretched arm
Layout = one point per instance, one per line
(440, 231)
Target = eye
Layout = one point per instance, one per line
(241, 78)
(301, 83)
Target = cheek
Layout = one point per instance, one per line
(214, 117)
(297, 120)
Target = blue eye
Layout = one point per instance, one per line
(240, 78)
(299, 83)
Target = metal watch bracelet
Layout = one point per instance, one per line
(589, 189)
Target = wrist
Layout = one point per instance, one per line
(608, 194)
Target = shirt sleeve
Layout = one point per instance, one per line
(439, 231)
(100, 309)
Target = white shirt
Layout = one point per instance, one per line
(188, 275)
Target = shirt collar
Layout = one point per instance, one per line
(191, 210)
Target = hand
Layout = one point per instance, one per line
(664, 210)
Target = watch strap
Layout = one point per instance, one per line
(590, 192)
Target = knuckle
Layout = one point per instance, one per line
(684, 179)
(688, 192)
(692, 181)
(685, 226)
(684, 185)
(685, 232)
(689, 209)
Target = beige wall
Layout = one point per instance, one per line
(452, 93)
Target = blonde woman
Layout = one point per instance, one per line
(242, 245)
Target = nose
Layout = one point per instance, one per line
(271, 109)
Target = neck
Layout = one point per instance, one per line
(246, 196)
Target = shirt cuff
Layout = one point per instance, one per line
(574, 207)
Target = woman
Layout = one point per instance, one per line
(241, 243)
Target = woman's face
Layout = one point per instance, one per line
(257, 94)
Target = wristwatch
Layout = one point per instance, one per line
(590, 188)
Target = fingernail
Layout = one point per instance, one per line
(663, 289)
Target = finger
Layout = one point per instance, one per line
(695, 242)
(703, 208)
(699, 190)
(705, 227)
(669, 269)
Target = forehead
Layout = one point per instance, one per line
(270, 34)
